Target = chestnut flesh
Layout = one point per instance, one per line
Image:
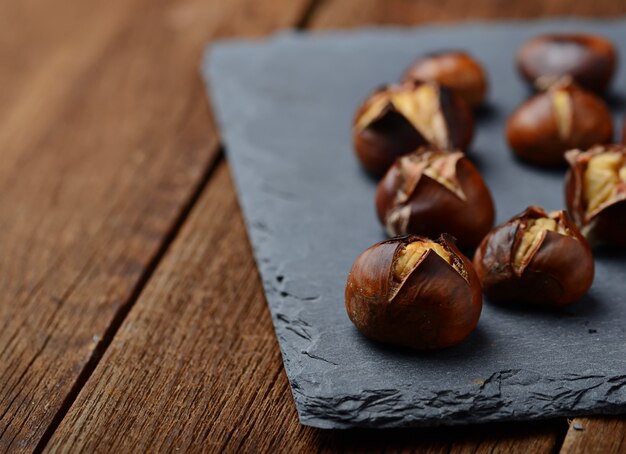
(536, 258)
(589, 60)
(415, 292)
(397, 119)
(453, 69)
(595, 192)
(429, 192)
(564, 117)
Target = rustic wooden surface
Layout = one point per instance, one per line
(131, 312)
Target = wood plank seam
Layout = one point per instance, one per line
(120, 316)
(308, 13)
(305, 15)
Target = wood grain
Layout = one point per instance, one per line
(105, 137)
(596, 434)
(353, 13)
(196, 365)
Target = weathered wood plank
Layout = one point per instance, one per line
(105, 137)
(595, 434)
(353, 13)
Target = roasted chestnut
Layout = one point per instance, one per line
(537, 258)
(595, 192)
(564, 117)
(397, 119)
(453, 69)
(588, 59)
(414, 291)
(429, 192)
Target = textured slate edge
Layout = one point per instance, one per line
(490, 403)
(542, 396)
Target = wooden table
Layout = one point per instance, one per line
(131, 312)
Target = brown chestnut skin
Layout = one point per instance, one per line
(595, 193)
(397, 119)
(456, 70)
(522, 261)
(435, 303)
(564, 117)
(432, 191)
(589, 60)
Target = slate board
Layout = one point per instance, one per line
(285, 107)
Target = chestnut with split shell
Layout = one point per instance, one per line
(595, 192)
(590, 60)
(429, 192)
(456, 70)
(536, 258)
(564, 117)
(414, 291)
(397, 119)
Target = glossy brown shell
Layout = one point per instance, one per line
(453, 69)
(434, 307)
(435, 209)
(533, 134)
(391, 135)
(559, 272)
(590, 60)
(607, 226)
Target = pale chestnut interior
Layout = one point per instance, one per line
(419, 105)
(410, 256)
(533, 236)
(604, 179)
(440, 167)
(562, 104)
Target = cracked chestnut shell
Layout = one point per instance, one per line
(595, 192)
(415, 292)
(429, 192)
(455, 70)
(537, 258)
(397, 119)
(589, 60)
(564, 117)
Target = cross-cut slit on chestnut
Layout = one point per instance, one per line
(411, 255)
(604, 180)
(441, 167)
(420, 106)
(563, 109)
(535, 230)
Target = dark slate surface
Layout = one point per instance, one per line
(285, 107)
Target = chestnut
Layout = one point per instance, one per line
(536, 258)
(589, 60)
(397, 119)
(455, 70)
(565, 116)
(430, 191)
(415, 292)
(595, 192)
